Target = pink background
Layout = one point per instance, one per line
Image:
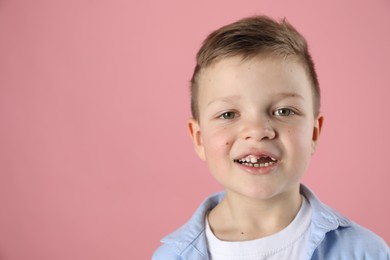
(95, 161)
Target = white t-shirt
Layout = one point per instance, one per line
(288, 243)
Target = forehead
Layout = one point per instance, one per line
(267, 74)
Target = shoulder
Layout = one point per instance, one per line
(165, 252)
(333, 236)
(355, 242)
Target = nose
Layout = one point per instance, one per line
(258, 129)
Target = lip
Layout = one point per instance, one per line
(258, 170)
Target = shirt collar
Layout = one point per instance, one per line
(322, 214)
(191, 235)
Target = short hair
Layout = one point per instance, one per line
(248, 38)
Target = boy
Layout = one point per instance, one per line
(256, 122)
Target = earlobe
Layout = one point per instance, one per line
(194, 131)
(317, 131)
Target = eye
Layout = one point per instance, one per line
(228, 115)
(283, 112)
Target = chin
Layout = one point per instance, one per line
(257, 193)
(266, 192)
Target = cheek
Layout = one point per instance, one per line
(300, 140)
(218, 142)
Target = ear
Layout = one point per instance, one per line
(194, 131)
(317, 131)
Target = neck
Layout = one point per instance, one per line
(239, 218)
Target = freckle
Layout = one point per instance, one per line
(242, 233)
(227, 143)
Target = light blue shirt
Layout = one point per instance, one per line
(332, 236)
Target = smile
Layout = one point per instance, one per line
(257, 162)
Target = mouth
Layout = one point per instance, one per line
(261, 161)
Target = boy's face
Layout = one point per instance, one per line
(256, 129)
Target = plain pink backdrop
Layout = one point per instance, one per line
(95, 160)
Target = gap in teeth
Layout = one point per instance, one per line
(255, 160)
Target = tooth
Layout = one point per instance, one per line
(261, 164)
(266, 164)
(256, 165)
(253, 160)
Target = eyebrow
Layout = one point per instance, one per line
(227, 99)
(290, 95)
